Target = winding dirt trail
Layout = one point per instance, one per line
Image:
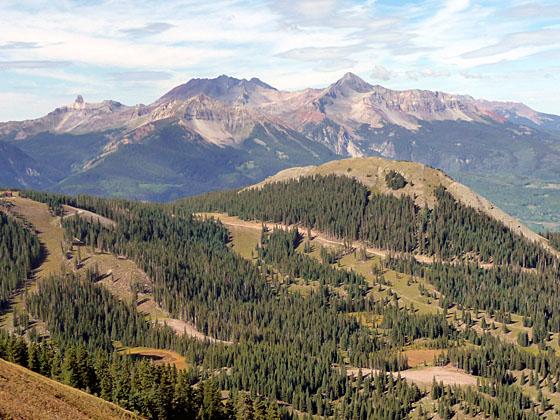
(317, 236)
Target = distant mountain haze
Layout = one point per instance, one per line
(226, 132)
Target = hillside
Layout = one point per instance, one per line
(308, 319)
(211, 134)
(27, 395)
(422, 181)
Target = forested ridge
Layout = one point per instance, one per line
(344, 208)
(288, 350)
(19, 251)
(197, 278)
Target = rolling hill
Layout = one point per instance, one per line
(209, 134)
(421, 184)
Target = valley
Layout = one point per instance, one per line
(213, 134)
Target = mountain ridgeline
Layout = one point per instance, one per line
(211, 134)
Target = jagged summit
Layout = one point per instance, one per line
(223, 87)
(79, 103)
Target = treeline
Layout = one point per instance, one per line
(285, 346)
(488, 400)
(153, 391)
(79, 312)
(405, 327)
(112, 208)
(343, 208)
(495, 359)
(19, 252)
(202, 281)
(381, 396)
(497, 290)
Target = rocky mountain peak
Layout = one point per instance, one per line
(225, 88)
(351, 82)
(79, 102)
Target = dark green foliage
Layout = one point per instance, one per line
(395, 180)
(286, 346)
(19, 252)
(523, 339)
(77, 311)
(379, 397)
(155, 392)
(344, 208)
(506, 402)
(199, 279)
(279, 249)
(406, 327)
(497, 289)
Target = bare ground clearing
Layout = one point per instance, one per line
(449, 375)
(419, 357)
(70, 211)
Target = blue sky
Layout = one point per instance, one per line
(135, 50)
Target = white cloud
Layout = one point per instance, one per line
(132, 48)
(381, 73)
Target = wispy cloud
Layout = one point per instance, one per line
(132, 50)
(382, 73)
(153, 28)
(140, 76)
(19, 45)
(518, 44)
(32, 64)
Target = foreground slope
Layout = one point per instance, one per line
(27, 395)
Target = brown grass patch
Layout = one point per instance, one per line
(158, 356)
(418, 357)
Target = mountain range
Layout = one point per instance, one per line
(225, 133)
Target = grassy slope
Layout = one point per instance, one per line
(118, 274)
(24, 394)
(50, 235)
